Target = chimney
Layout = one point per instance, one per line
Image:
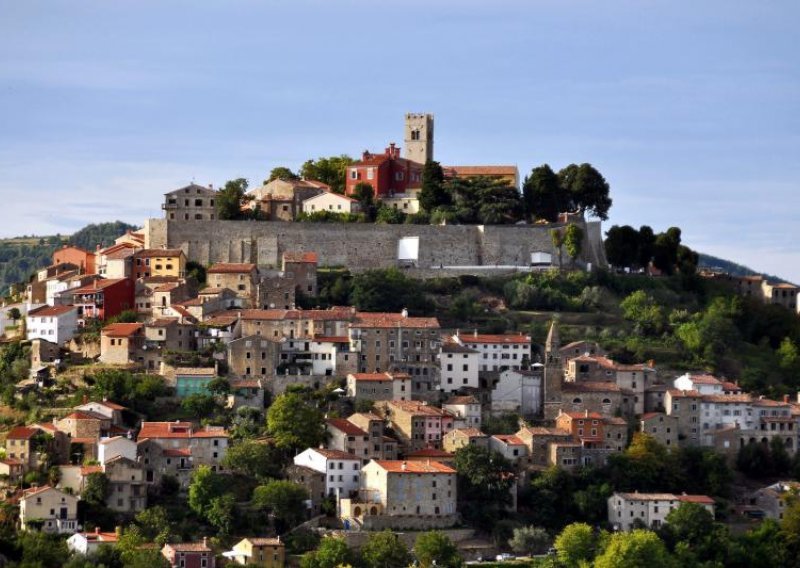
(205, 541)
(403, 466)
(475, 333)
(586, 413)
(404, 313)
(211, 186)
(786, 398)
(96, 530)
(118, 531)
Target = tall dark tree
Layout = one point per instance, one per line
(433, 193)
(230, 199)
(647, 241)
(622, 246)
(484, 481)
(281, 172)
(665, 250)
(586, 189)
(542, 194)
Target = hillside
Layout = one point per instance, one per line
(716, 263)
(20, 257)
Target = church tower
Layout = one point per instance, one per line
(553, 372)
(418, 137)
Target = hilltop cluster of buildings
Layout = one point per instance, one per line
(762, 289)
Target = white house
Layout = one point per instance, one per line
(342, 470)
(459, 366)
(324, 351)
(329, 201)
(466, 410)
(54, 510)
(518, 391)
(109, 448)
(498, 352)
(379, 386)
(512, 447)
(704, 384)
(651, 509)
(90, 542)
(56, 324)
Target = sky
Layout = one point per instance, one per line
(689, 109)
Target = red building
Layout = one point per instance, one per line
(189, 555)
(103, 299)
(387, 173)
(83, 259)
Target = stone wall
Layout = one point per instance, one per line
(361, 246)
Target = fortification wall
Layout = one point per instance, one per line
(359, 246)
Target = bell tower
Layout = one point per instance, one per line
(553, 372)
(418, 137)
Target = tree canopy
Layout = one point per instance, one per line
(295, 422)
(331, 170)
(230, 198)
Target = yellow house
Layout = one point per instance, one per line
(266, 552)
(159, 262)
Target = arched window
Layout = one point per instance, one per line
(576, 400)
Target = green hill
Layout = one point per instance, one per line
(716, 263)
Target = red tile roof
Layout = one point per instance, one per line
(702, 499)
(705, 379)
(121, 329)
(188, 547)
(305, 257)
(398, 466)
(90, 469)
(177, 452)
(470, 432)
(99, 285)
(469, 171)
(510, 439)
(381, 320)
(21, 433)
(431, 453)
(677, 393)
(51, 311)
(156, 253)
(578, 415)
(85, 415)
(651, 415)
(504, 338)
(331, 339)
(335, 454)
(179, 430)
(231, 268)
(344, 425)
(419, 408)
(459, 400)
(380, 376)
(590, 386)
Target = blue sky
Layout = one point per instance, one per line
(690, 109)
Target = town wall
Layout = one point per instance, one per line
(360, 246)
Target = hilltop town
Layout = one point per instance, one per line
(400, 356)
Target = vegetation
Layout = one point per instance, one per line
(576, 188)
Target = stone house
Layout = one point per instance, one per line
(402, 494)
(314, 481)
(630, 378)
(242, 278)
(253, 356)
(246, 392)
(159, 262)
(120, 343)
(52, 510)
(686, 407)
(417, 424)
(662, 427)
(498, 352)
(461, 437)
(276, 290)
(302, 267)
(191, 203)
(366, 443)
(127, 489)
(466, 411)
(579, 348)
(774, 499)
(649, 509)
(11, 471)
(110, 410)
(342, 470)
(510, 446)
(605, 398)
(538, 441)
(84, 424)
(518, 391)
(178, 447)
(397, 342)
(379, 386)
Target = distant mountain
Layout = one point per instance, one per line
(734, 269)
(20, 257)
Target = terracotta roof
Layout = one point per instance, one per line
(381, 320)
(168, 287)
(505, 338)
(729, 386)
(398, 466)
(195, 371)
(705, 379)
(179, 430)
(607, 363)
(51, 311)
(510, 439)
(155, 253)
(651, 415)
(648, 496)
(335, 454)
(21, 433)
(245, 383)
(188, 547)
(542, 431)
(178, 452)
(332, 314)
(702, 499)
(416, 407)
(211, 291)
(305, 257)
(615, 421)
(458, 400)
(470, 432)
(263, 541)
(677, 393)
(121, 329)
(85, 415)
(99, 285)
(99, 536)
(346, 426)
(450, 346)
(220, 320)
(577, 415)
(11, 461)
(729, 398)
(380, 376)
(162, 322)
(84, 441)
(90, 469)
(231, 268)
(36, 490)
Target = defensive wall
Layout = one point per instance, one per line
(361, 246)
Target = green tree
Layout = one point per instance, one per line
(388, 290)
(587, 190)
(155, 524)
(221, 512)
(295, 422)
(542, 194)
(205, 486)
(576, 544)
(484, 482)
(14, 314)
(640, 308)
(635, 549)
(435, 548)
(197, 271)
(331, 171)
(665, 250)
(385, 550)
(622, 246)
(281, 172)
(557, 238)
(647, 242)
(284, 499)
(96, 489)
(390, 215)
(485, 200)
(788, 354)
(253, 459)
(230, 199)
(433, 192)
(573, 241)
(40, 550)
(200, 405)
(331, 553)
(364, 193)
(530, 540)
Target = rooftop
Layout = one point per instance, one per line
(231, 268)
(121, 329)
(51, 311)
(304, 257)
(398, 466)
(381, 320)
